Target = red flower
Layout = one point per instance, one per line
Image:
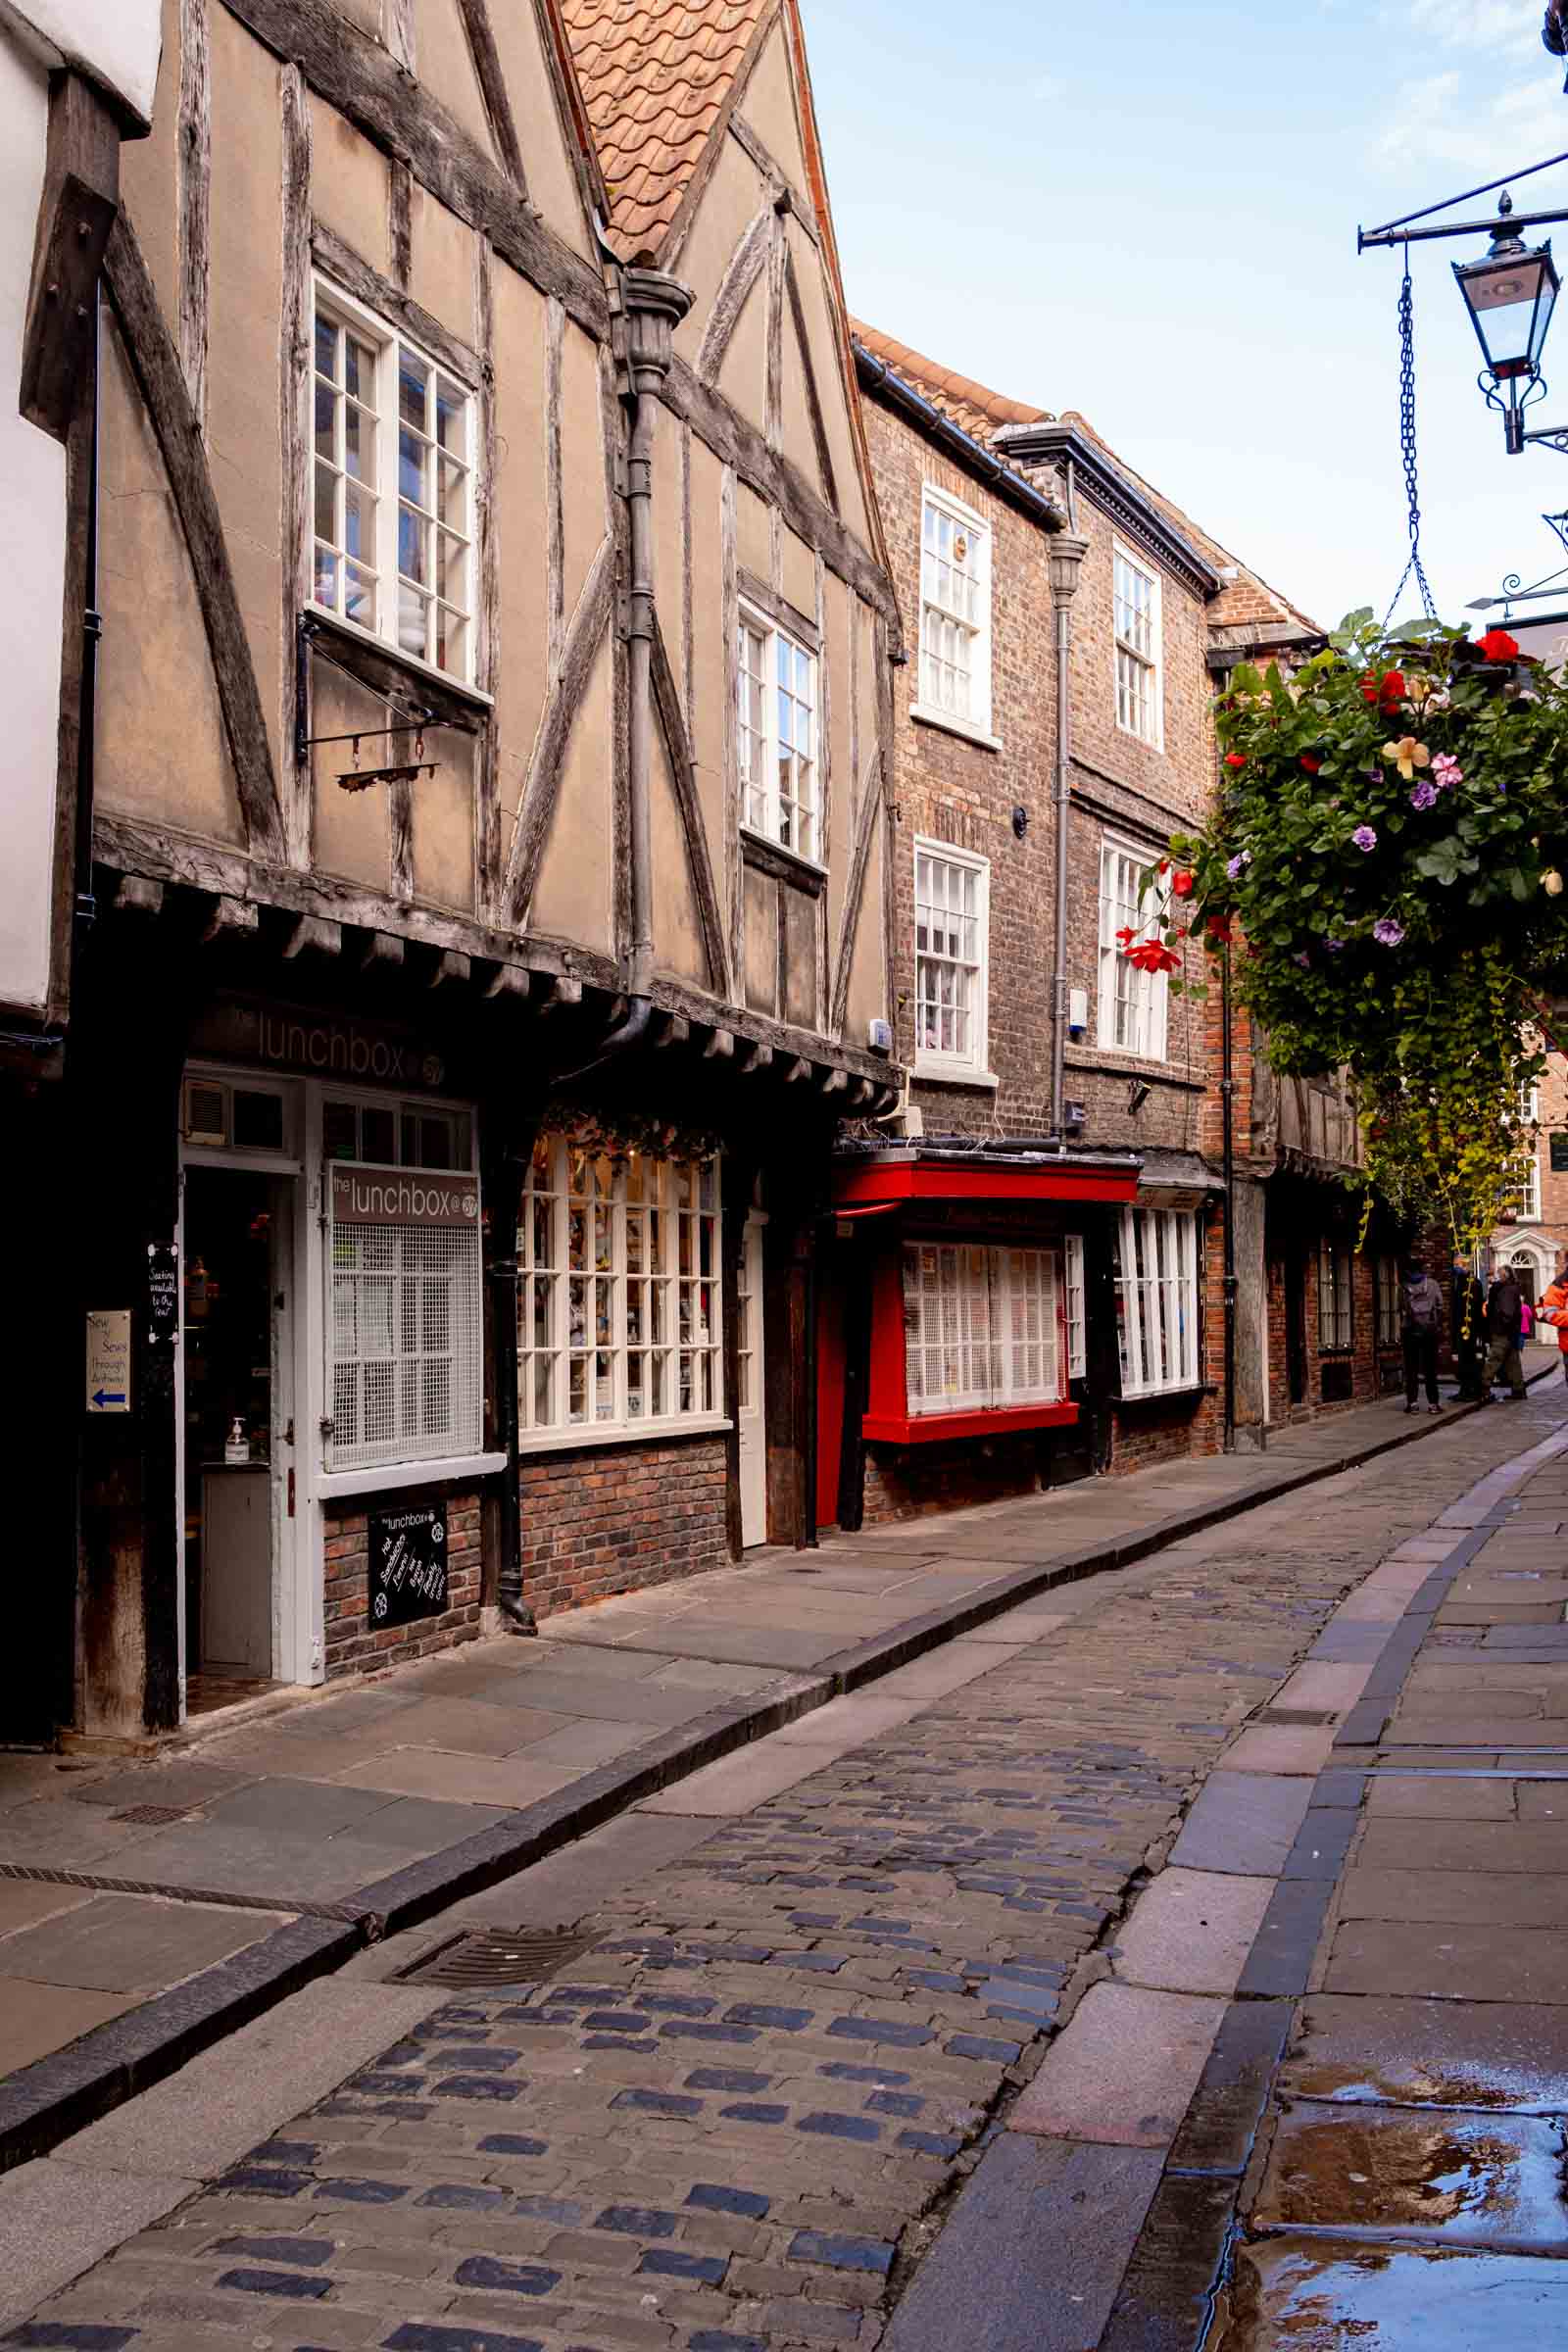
(1236, 758)
(1218, 927)
(1182, 884)
(1150, 956)
(1499, 646)
(1163, 868)
(1311, 763)
(1388, 690)
(1124, 936)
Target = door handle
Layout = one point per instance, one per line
(291, 1494)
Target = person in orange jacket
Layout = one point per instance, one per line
(1553, 1309)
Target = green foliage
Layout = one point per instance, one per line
(1386, 842)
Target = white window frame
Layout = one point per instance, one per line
(976, 721)
(1524, 1199)
(363, 1467)
(764, 809)
(1157, 1307)
(618, 1282)
(388, 342)
(1130, 655)
(1336, 1298)
(1389, 1315)
(1077, 1309)
(973, 1066)
(1133, 1000)
(970, 1307)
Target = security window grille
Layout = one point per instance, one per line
(618, 1313)
(1134, 1004)
(1077, 1312)
(1390, 1317)
(1138, 650)
(406, 1341)
(394, 439)
(1156, 1299)
(951, 894)
(954, 612)
(776, 736)
(981, 1327)
(1336, 1311)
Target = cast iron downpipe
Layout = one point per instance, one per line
(653, 305)
(1227, 1111)
(1068, 553)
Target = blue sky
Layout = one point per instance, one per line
(1148, 212)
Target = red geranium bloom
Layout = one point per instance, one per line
(1311, 763)
(1218, 927)
(1150, 956)
(1163, 868)
(1124, 936)
(1182, 884)
(1499, 646)
(1389, 689)
(1236, 758)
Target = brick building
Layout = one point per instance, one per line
(1118, 1232)
(1532, 1238)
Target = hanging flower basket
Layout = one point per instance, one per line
(1387, 848)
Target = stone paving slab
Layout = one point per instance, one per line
(1511, 2057)
(1191, 1931)
(1459, 1962)
(1244, 1822)
(1503, 1899)
(1294, 2290)
(1393, 2174)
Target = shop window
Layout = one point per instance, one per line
(980, 1328)
(1389, 1315)
(393, 492)
(1156, 1299)
(1336, 1299)
(405, 1325)
(388, 1133)
(1077, 1312)
(619, 1325)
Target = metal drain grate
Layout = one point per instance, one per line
(153, 1816)
(1296, 1715)
(499, 1956)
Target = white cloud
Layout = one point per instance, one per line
(1498, 28)
(1445, 120)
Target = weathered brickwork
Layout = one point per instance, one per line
(354, 1646)
(912, 1482)
(604, 1519)
(1533, 1246)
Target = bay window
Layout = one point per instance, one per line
(619, 1327)
(1156, 1299)
(981, 1327)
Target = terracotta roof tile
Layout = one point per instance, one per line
(654, 76)
(1245, 601)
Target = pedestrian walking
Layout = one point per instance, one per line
(1504, 1302)
(1554, 1309)
(1468, 1314)
(1422, 1330)
(1527, 1319)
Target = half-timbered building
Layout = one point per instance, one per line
(488, 807)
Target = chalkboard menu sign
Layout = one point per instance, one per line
(1559, 1154)
(408, 1565)
(163, 1293)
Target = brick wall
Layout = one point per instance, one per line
(605, 1519)
(912, 1482)
(353, 1646)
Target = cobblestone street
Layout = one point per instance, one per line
(811, 1991)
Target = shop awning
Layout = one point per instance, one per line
(913, 1175)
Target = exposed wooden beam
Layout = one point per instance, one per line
(833, 1082)
(155, 363)
(452, 967)
(493, 88)
(312, 935)
(867, 825)
(799, 1069)
(683, 774)
(232, 918)
(373, 88)
(194, 160)
(744, 268)
(509, 980)
(721, 1046)
(673, 1029)
(356, 276)
(537, 808)
(814, 397)
(76, 217)
(759, 1057)
(383, 951)
(137, 896)
(560, 994)
(294, 440)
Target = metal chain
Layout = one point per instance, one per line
(1407, 450)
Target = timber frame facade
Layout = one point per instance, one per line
(489, 794)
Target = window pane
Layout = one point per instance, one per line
(413, 391)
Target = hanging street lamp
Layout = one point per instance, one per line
(1510, 295)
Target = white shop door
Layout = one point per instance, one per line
(749, 1388)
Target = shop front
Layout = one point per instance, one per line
(329, 1367)
(968, 1347)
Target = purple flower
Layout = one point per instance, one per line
(1335, 947)
(1448, 771)
(1242, 858)
(1386, 932)
(1365, 838)
(1375, 774)
(1304, 961)
(1424, 795)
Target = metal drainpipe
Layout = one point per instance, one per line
(1068, 552)
(653, 305)
(1227, 1105)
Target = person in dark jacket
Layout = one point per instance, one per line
(1467, 1321)
(1422, 1330)
(1505, 1320)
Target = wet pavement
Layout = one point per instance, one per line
(1037, 2000)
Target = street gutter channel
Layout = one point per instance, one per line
(44, 2103)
